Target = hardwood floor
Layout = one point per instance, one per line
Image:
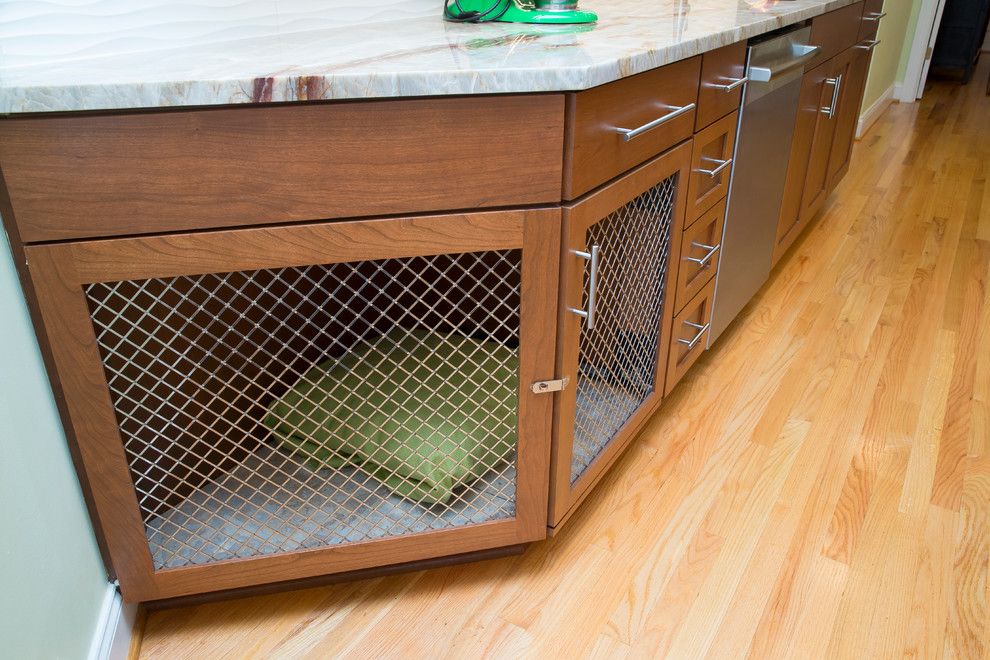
(817, 487)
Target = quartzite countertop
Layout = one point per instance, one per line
(158, 61)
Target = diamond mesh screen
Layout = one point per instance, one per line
(273, 410)
(617, 358)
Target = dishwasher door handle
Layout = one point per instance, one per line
(802, 54)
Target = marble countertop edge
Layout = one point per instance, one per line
(461, 66)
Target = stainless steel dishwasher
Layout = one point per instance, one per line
(775, 67)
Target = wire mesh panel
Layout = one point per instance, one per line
(617, 358)
(272, 410)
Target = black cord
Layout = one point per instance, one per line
(462, 16)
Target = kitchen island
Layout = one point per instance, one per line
(219, 240)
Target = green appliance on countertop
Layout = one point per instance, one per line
(516, 11)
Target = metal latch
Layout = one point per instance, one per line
(544, 386)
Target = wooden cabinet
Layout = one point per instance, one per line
(201, 371)
(280, 354)
(690, 335)
(618, 271)
(168, 171)
(614, 127)
(828, 112)
(711, 163)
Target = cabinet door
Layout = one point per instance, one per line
(816, 180)
(790, 223)
(262, 405)
(852, 65)
(617, 277)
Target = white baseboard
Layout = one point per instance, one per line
(873, 113)
(112, 639)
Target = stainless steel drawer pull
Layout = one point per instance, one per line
(868, 45)
(589, 314)
(836, 83)
(875, 17)
(702, 329)
(712, 249)
(722, 165)
(630, 133)
(731, 86)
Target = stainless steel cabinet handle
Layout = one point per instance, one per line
(702, 329)
(868, 45)
(630, 133)
(875, 17)
(589, 314)
(836, 83)
(712, 249)
(722, 165)
(731, 86)
(801, 54)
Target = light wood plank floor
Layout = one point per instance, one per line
(818, 486)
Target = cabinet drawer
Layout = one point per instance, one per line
(700, 244)
(596, 151)
(689, 338)
(868, 28)
(721, 89)
(834, 32)
(711, 163)
(85, 176)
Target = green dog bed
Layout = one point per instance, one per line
(424, 412)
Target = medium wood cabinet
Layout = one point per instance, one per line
(618, 275)
(200, 371)
(828, 112)
(279, 354)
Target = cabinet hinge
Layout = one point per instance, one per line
(544, 386)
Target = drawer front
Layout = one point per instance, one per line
(721, 88)
(596, 151)
(711, 163)
(85, 176)
(700, 245)
(834, 32)
(872, 15)
(690, 335)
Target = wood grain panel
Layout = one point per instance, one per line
(577, 218)
(697, 241)
(712, 147)
(68, 320)
(109, 175)
(720, 67)
(252, 249)
(594, 152)
(697, 312)
(853, 64)
(834, 32)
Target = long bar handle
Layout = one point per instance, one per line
(702, 329)
(731, 86)
(589, 314)
(712, 249)
(875, 17)
(630, 133)
(722, 165)
(868, 45)
(835, 82)
(802, 54)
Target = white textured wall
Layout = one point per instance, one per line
(30, 29)
(52, 581)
